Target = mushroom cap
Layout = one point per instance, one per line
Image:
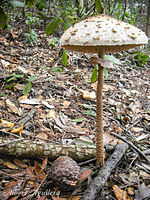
(102, 32)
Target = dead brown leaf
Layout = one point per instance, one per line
(11, 107)
(10, 165)
(120, 194)
(19, 163)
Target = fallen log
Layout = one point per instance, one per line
(35, 149)
(99, 181)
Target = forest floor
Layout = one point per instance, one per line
(64, 104)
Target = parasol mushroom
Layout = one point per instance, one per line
(101, 34)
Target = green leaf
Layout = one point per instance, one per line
(30, 3)
(87, 106)
(94, 74)
(90, 112)
(16, 4)
(10, 86)
(105, 72)
(57, 69)
(3, 19)
(50, 28)
(32, 78)
(78, 120)
(2, 95)
(99, 6)
(64, 60)
(27, 88)
(10, 79)
(18, 75)
(13, 76)
(112, 59)
(67, 24)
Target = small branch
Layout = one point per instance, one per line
(12, 141)
(132, 146)
(27, 117)
(125, 130)
(134, 123)
(36, 149)
(100, 180)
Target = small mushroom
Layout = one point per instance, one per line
(114, 38)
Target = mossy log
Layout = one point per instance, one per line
(35, 149)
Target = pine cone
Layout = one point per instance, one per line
(65, 171)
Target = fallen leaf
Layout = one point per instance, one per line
(120, 194)
(19, 87)
(85, 174)
(87, 95)
(14, 198)
(7, 124)
(5, 63)
(15, 59)
(10, 165)
(11, 106)
(130, 190)
(108, 138)
(22, 98)
(11, 184)
(51, 114)
(44, 164)
(47, 104)
(20, 163)
(42, 135)
(30, 101)
(136, 129)
(66, 103)
(29, 173)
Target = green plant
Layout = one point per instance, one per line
(123, 12)
(57, 69)
(28, 87)
(141, 58)
(110, 58)
(13, 77)
(64, 58)
(41, 4)
(30, 20)
(53, 42)
(31, 37)
(66, 16)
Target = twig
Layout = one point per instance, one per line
(12, 141)
(132, 145)
(12, 134)
(134, 123)
(129, 133)
(87, 162)
(100, 180)
(27, 117)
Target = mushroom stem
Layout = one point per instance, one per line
(99, 115)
